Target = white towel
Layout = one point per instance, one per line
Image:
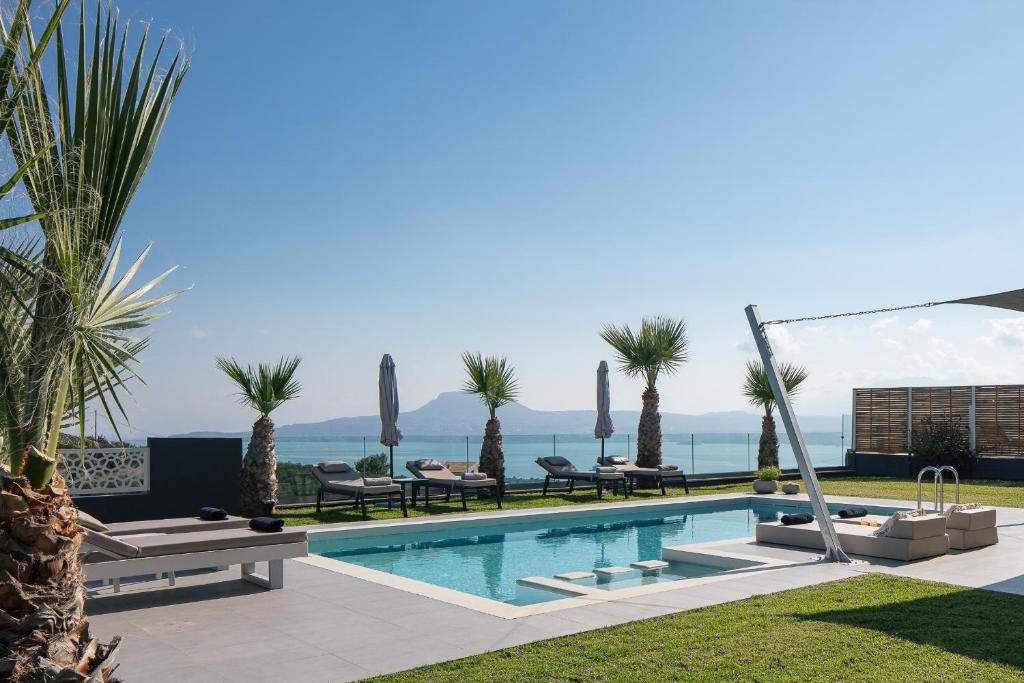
(886, 528)
(960, 507)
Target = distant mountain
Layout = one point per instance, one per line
(454, 413)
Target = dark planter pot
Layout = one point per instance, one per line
(765, 486)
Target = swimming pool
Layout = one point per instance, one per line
(489, 559)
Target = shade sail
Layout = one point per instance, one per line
(604, 427)
(390, 434)
(1011, 301)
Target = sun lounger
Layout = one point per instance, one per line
(443, 478)
(558, 468)
(115, 557)
(635, 473)
(912, 539)
(178, 525)
(339, 477)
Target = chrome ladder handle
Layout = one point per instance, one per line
(937, 477)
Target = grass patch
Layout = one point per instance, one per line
(870, 628)
(1001, 493)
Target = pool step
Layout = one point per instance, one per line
(608, 572)
(575, 576)
(558, 586)
(648, 565)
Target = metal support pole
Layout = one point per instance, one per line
(910, 418)
(391, 453)
(833, 548)
(692, 464)
(467, 454)
(553, 448)
(602, 450)
(748, 450)
(972, 417)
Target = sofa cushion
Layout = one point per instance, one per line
(334, 466)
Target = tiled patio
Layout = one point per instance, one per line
(325, 626)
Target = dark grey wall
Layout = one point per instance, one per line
(891, 465)
(184, 475)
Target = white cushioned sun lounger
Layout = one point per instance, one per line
(339, 477)
(859, 540)
(439, 475)
(113, 558)
(558, 467)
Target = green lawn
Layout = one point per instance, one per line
(870, 628)
(1002, 493)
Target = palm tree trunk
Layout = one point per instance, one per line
(44, 634)
(768, 447)
(648, 433)
(492, 456)
(259, 470)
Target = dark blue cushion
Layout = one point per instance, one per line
(211, 514)
(850, 513)
(798, 518)
(266, 524)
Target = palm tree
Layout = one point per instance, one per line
(759, 392)
(659, 346)
(67, 317)
(494, 381)
(263, 388)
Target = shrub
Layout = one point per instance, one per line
(375, 465)
(768, 474)
(936, 443)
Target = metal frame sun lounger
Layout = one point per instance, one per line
(558, 468)
(443, 478)
(111, 558)
(339, 477)
(634, 472)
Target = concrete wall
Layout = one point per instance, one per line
(185, 474)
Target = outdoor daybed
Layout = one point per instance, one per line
(665, 474)
(558, 468)
(911, 539)
(178, 525)
(337, 476)
(443, 478)
(974, 527)
(113, 558)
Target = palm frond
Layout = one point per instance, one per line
(758, 390)
(660, 345)
(491, 378)
(265, 387)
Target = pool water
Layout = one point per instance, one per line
(487, 560)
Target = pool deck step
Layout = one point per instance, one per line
(557, 585)
(575, 576)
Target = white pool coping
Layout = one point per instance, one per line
(735, 566)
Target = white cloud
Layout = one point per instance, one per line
(922, 326)
(1006, 332)
(782, 341)
(884, 323)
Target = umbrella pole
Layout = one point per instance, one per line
(391, 450)
(602, 450)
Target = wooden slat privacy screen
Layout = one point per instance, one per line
(883, 417)
(880, 420)
(998, 420)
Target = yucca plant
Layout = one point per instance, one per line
(68, 318)
(493, 380)
(759, 392)
(263, 388)
(660, 345)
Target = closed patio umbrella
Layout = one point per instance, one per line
(390, 434)
(604, 427)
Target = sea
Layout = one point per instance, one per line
(694, 453)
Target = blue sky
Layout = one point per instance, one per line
(340, 180)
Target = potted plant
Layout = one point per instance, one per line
(791, 488)
(767, 480)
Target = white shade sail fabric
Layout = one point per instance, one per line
(390, 434)
(604, 427)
